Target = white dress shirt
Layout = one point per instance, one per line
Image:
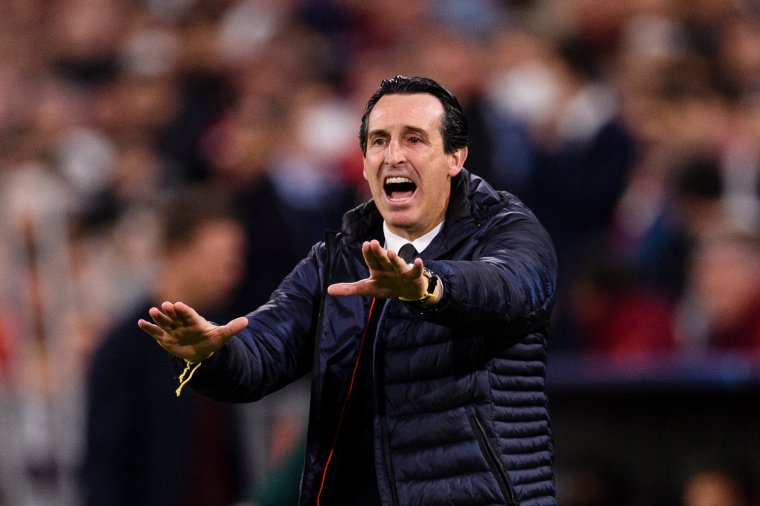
(394, 242)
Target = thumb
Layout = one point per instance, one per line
(233, 327)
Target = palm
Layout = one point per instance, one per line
(389, 276)
(180, 330)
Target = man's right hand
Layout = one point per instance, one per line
(181, 331)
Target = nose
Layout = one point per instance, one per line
(394, 153)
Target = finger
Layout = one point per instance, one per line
(381, 256)
(168, 308)
(185, 313)
(397, 263)
(161, 319)
(370, 258)
(416, 270)
(152, 330)
(363, 288)
(348, 289)
(342, 289)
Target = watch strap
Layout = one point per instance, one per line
(430, 291)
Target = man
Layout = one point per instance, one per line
(143, 444)
(428, 375)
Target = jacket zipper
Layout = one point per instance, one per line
(493, 460)
(380, 409)
(329, 240)
(344, 407)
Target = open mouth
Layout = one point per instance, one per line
(399, 188)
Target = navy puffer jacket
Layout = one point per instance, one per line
(460, 409)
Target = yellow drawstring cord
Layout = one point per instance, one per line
(187, 374)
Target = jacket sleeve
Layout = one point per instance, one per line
(276, 347)
(505, 284)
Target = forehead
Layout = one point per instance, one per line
(419, 110)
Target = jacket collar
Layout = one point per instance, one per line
(472, 201)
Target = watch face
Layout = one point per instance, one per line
(432, 280)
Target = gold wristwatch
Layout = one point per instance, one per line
(432, 278)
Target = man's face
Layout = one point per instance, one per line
(405, 164)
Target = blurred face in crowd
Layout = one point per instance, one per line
(712, 489)
(726, 274)
(208, 267)
(405, 164)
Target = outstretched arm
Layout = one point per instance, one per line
(181, 331)
(389, 277)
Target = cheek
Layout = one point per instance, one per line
(435, 192)
(367, 167)
(370, 175)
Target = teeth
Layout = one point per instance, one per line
(397, 179)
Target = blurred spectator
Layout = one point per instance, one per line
(581, 152)
(305, 168)
(593, 484)
(616, 313)
(500, 148)
(239, 149)
(280, 188)
(694, 207)
(668, 100)
(741, 164)
(280, 488)
(144, 445)
(721, 310)
(632, 128)
(720, 484)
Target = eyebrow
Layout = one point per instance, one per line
(406, 129)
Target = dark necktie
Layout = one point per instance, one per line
(408, 253)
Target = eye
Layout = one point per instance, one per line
(378, 141)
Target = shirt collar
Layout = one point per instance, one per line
(394, 242)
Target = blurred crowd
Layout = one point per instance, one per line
(631, 128)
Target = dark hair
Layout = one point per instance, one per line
(454, 124)
(189, 209)
(698, 176)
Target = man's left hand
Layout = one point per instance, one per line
(389, 277)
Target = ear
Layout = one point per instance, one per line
(456, 161)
